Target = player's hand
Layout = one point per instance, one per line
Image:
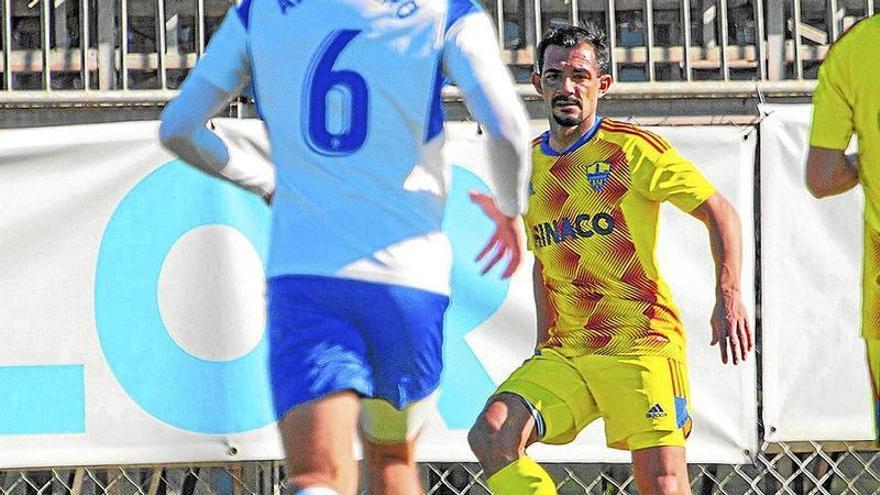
(730, 326)
(505, 241)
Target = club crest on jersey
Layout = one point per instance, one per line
(597, 174)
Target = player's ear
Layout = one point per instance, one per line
(605, 81)
(536, 82)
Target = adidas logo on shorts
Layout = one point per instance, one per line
(655, 412)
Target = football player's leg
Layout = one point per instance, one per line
(661, 471)
(389, 436)
(318, 439)
(403, 331)
(544, 400)
(499, 439)
(318, 373)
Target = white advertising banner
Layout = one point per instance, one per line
(131, 296)
(815, 379)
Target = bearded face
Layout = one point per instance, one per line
(571, 84)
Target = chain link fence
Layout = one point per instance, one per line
(809, 468)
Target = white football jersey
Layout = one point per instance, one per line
(350, 93)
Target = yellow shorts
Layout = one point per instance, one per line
(873, 346)
(643, 399)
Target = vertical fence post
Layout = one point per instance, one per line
(834, 31)
(760, 49)
(798, 63)
(686, 38)
(531, 35)
(161, 44)
(172, 28)
(710, 14)
(84, 42)
(775, 41)
(7, 45)
(612, 38)
(123, 43)
(106, 45)
(200, 27)
(45, 39)
(539, 31)
(649, 38)
(722, 36)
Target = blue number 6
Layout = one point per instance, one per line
(350, 86)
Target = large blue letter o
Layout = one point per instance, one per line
(180, 389)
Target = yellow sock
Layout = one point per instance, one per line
(522, 477)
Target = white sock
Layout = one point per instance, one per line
(317, 490)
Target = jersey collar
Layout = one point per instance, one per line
(549, 151)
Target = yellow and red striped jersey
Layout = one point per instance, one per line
(592, 223)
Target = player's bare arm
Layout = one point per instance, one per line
(184, 132)
(183, 129)
(730, 321)
(830, 172)
(220, 75)
(491, 98)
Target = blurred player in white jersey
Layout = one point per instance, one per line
(358, 267)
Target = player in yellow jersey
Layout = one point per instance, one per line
(847, 100)
(610, 340)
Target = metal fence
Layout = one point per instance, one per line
(778, 470)
(110, 45)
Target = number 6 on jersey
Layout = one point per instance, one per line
(347, 87)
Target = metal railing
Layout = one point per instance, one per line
(812, 469)
(697, 39)
(108, 45)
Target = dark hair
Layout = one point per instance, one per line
(568, 36)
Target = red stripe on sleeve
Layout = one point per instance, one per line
(651, 139)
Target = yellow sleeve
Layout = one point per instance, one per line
(671, 177)
(832, 112)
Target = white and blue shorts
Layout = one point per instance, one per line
(331, 334)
